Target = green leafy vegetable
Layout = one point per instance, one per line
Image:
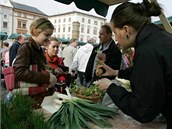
(75, 114)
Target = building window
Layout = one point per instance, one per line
(68, 29)
(69, 19)
(63, 29)
(25, 15)
(24, 25)
(88, 29)
(5, 16)
(21, 24)
(58, 29)
(101, 23)
(89, 21)
(95, 31)
(54, 21)
(83, 19)
(59, 20)
(19, 14)
(5, 24)
(64, 20)
(82, 29)
(95, 23)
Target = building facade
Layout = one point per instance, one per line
(77, 25)
(16, 17)
(6, 16)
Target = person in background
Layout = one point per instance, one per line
(108, 49)
(69, 53)
(5, 54)
(31, 53)
(151, 74)
(60, 50)
(14, 48)
(80, 62)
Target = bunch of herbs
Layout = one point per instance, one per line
(19, 114)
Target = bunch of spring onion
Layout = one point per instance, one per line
(76, 113)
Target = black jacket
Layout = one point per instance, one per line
(150, 77)
(13, 52)
(113, 59)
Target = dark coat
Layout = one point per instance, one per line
(29, 54)
(13, 52)
(113, 59)
(150, 77)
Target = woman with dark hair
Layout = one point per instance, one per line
(151, 74)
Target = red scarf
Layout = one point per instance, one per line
(54, 61)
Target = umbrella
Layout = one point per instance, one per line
(28, 35)
(3, 36)
(13, 36)
(81, 43)
(64, 40)
(100, 6)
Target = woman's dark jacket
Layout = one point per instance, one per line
(150, 77)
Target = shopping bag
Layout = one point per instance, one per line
(24, 87)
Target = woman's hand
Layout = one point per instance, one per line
(103, 84)
(108, 70)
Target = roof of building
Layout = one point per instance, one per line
(159, 21)
(26, 8)
(66, 13)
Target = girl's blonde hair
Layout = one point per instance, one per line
(39, 25)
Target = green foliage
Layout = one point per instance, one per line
(93, 90)
(19, 114)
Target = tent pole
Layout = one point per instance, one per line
(164, 21)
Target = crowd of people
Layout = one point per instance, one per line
(148, 68)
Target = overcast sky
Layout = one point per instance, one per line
(51, 7)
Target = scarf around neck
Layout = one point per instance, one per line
(54, 61)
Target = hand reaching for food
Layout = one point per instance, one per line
(108, 71)
(103, 84)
